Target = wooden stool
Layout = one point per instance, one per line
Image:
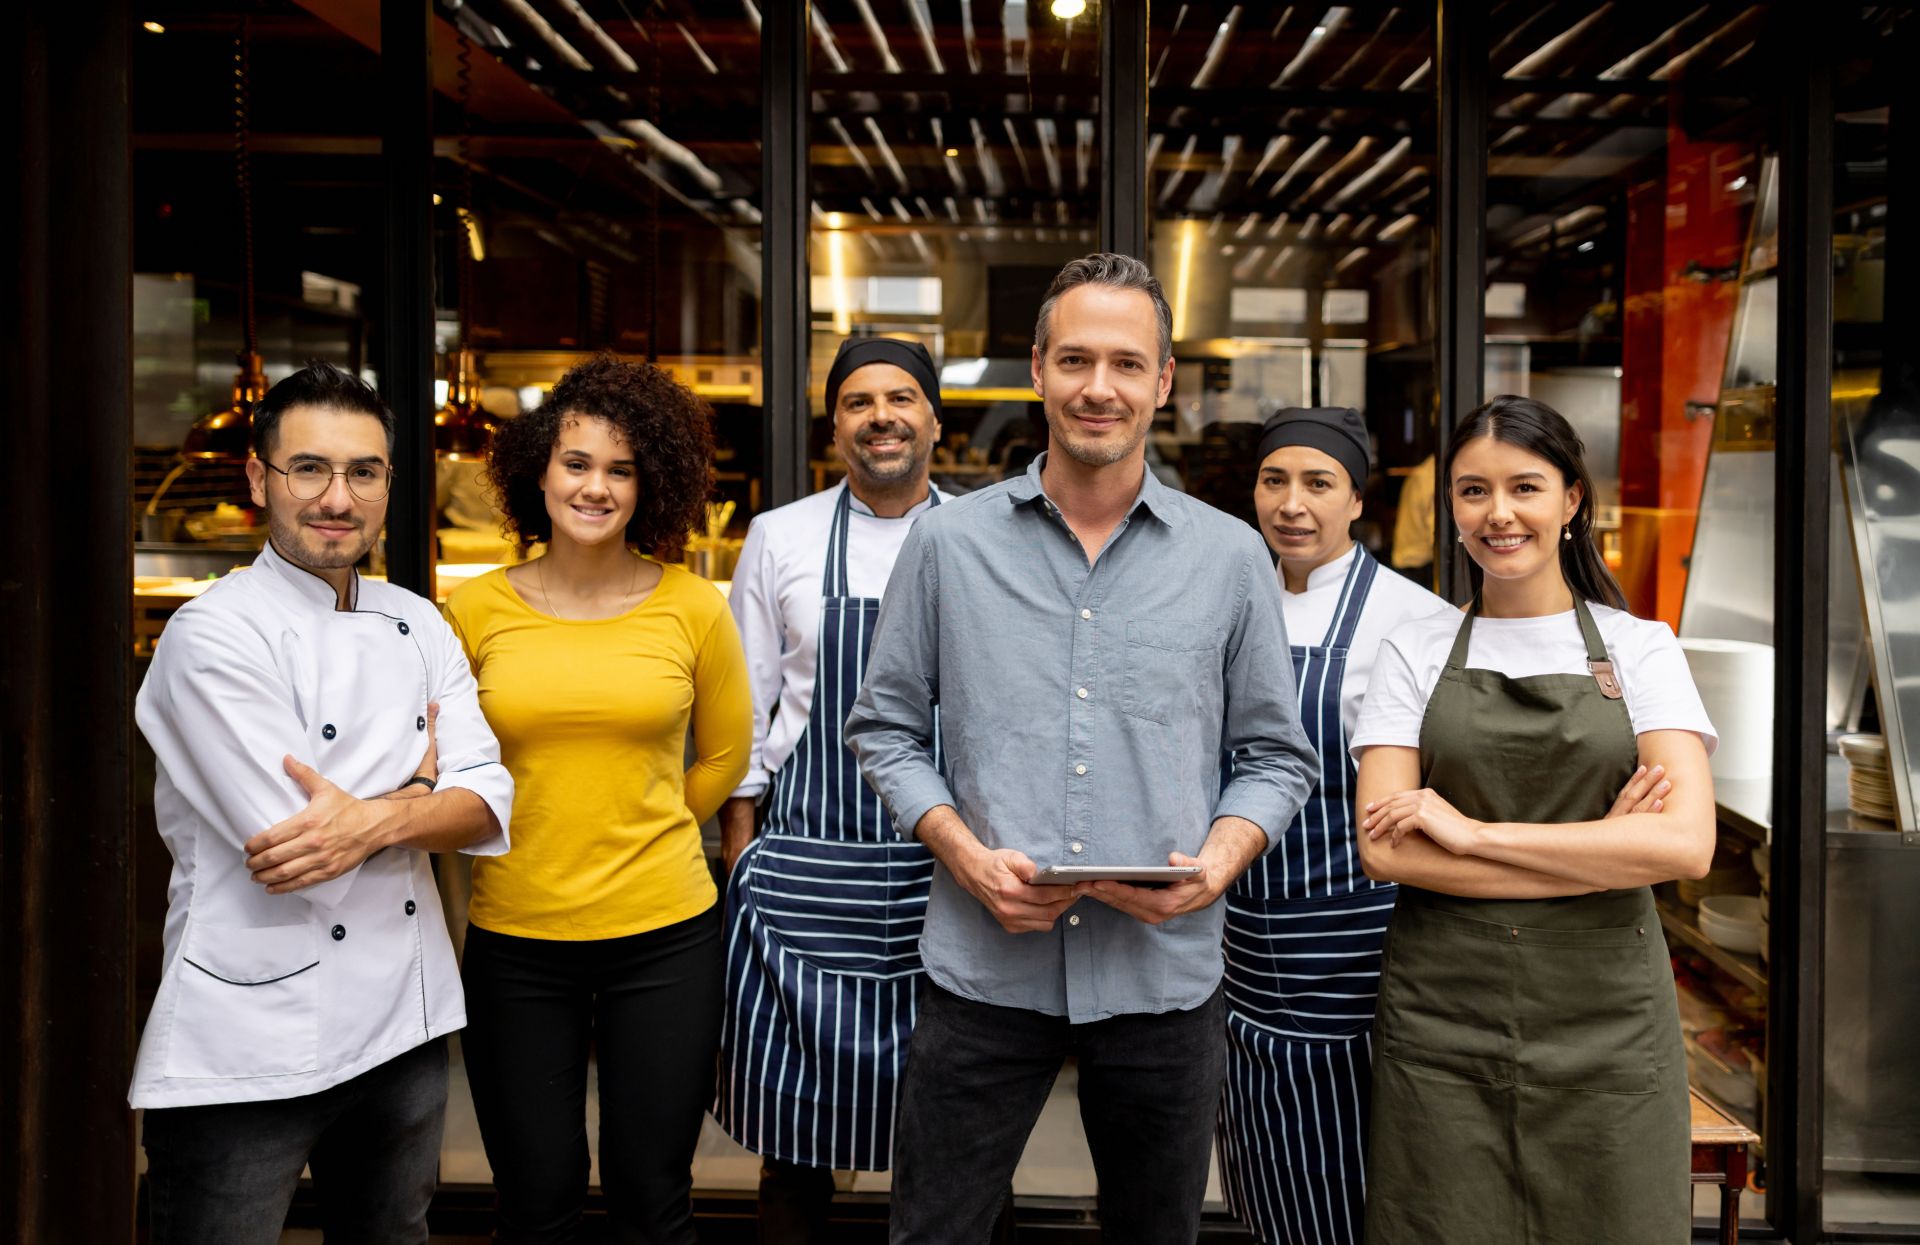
(1720, 1157)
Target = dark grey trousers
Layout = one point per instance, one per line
(225, 1174)
(977, 1076)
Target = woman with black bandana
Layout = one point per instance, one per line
(1305, 923)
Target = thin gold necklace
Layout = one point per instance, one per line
(540, 574)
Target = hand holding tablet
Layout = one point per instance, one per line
(1156, 875)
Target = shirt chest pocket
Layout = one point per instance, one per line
(1171, 670)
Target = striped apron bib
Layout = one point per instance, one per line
(824, 915)
(1304, 930)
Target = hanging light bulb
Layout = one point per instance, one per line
(226, 434)
(462, 428)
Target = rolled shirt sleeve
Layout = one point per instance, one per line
(891, 727)
(1275, 768)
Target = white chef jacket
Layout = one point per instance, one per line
(274, 996)
(1393, 600)
(775, 600)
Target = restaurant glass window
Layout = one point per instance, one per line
(603, 193)
(955, 166)
(1291, 161)
(1631, 250)
(1871, 1102)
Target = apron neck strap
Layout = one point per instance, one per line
(1353, 599)
(835, 576)
(1589, 631)
(835, 582)
(1597, 660)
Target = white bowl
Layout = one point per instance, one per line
(1733, 921)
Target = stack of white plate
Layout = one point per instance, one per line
(1869, 785)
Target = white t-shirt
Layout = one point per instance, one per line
(1393, 599)
(775, 599)
(1654, 678)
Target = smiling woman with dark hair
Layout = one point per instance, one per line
(593, 660)
(1526, 1037)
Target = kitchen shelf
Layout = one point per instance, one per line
(1745, 969)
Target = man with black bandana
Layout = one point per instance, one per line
(825, 901)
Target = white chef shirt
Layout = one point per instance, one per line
(775, 598)
(275, 996)
(1394, 599)
(1655, 681)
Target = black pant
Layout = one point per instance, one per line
(224, 1174)
(648, 1006)
(977, 1076)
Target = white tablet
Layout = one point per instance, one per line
(1157, 875)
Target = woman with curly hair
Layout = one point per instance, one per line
(600, 930)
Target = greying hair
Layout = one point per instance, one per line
(1122, 272)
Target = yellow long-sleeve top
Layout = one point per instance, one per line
(592, 720)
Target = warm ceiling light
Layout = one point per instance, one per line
(436, 200)
(155, 27)
(952, 152)
(1067, 9)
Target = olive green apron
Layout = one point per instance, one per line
(1529, 1083)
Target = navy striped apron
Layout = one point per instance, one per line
(824, 916)
(1304, 930)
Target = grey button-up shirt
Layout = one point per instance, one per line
(1083, 714)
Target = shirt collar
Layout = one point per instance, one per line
(303, 584)
(1326, 576)
(1155, 498)
(859, 507)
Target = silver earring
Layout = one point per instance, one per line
(1566, 533)
(1459, 538)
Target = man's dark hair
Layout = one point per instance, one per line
(318, 384)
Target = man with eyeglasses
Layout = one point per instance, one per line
(302, 777)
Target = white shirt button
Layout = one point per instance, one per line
(1079, 769)
(1086, 613)
(1073, 920)
(1081, 692)
(1076, 848)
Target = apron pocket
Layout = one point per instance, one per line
(246, 1002)
(1587, 1013)
(846, 907)
(1446, 994)
(1306, 969)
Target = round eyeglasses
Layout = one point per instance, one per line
(308, 478)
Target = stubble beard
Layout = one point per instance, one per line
(1089, 452)
(295, 544)
(894, 471)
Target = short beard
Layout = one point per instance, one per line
(291, 540)
(905, 467)
(1094, 453)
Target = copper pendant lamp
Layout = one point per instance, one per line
(225, 435)
(462, 429)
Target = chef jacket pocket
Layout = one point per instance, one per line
(246, 1003)
(1170, 667)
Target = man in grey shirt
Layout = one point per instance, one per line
(1095, 641)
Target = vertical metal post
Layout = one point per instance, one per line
(1460, 252)
(66, 574)
(784, 311)
(1123, 127)
(406, 372)
(1803, 446)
